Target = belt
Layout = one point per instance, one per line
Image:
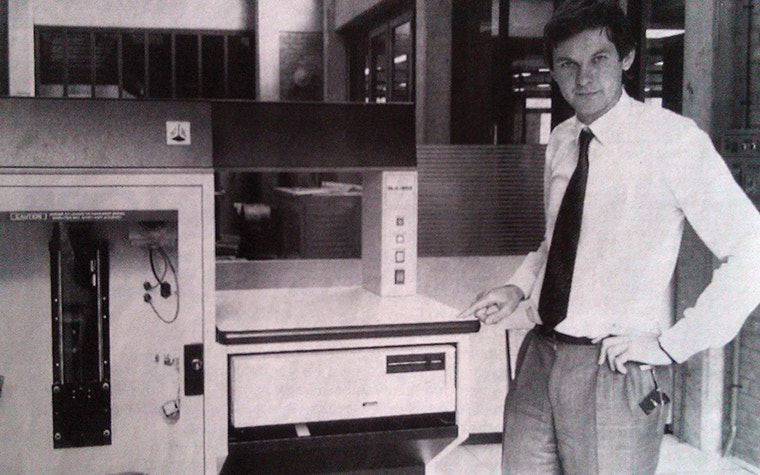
(551, 334)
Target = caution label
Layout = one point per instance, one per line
(89, 216)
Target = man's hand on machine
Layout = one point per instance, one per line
(644, 348)
(492, 306)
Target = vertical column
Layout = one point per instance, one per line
(698, 412)
(20, 48)
(433, 71)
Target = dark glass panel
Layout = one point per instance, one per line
(402, 57)
(241, 67)
(187, 66)
(134, 64)
(379, 71)
(213, 66)
(52, 57)
(160, 66)
(79, 51)
(106, 65)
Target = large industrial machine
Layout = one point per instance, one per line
(120, 355)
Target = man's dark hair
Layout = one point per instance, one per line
(575, 16)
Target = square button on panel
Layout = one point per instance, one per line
(400, 221)
(400, 276)
(400, 256)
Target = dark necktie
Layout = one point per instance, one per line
(555, 293)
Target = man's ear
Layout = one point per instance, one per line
(628, 60)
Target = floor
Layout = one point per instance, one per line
(675, 458)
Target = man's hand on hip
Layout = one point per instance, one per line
(643, 348)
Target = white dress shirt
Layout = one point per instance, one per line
(650, 170)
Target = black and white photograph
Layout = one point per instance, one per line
(379, 237)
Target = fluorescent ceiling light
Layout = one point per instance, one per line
(656, 33)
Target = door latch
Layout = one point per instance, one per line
(193, 369)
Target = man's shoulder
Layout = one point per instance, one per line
(660, 123)
(565, 130)
(561, 137)
(641, 123)
(669, 139)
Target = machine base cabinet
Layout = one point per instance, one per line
(378, 410)
(388, 451)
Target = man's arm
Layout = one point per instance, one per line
(493, 305)
(729, 224)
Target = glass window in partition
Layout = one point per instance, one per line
(129, 63)
(382, 60)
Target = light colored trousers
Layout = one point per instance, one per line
(566, 414)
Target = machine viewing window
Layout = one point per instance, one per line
(80, 324)
(121, 63)
(85, 247)
(262, 216)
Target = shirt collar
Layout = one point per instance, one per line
(607, 127)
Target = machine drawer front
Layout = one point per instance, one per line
(301, 387)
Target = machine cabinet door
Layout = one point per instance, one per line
(152, 426)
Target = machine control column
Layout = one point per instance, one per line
(389, 232)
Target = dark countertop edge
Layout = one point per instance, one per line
(103, 170)
(242, 337)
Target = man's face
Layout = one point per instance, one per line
(589, 73)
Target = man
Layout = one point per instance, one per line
(587, 397)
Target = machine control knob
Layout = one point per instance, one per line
(196, 364)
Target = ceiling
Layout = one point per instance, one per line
(667, 13)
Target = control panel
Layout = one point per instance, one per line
(741, 150)
(389, 232)
(741, 142)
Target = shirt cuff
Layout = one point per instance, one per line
(523, 282)
(672, 360)
(677, 349)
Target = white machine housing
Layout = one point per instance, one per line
(389, 232)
